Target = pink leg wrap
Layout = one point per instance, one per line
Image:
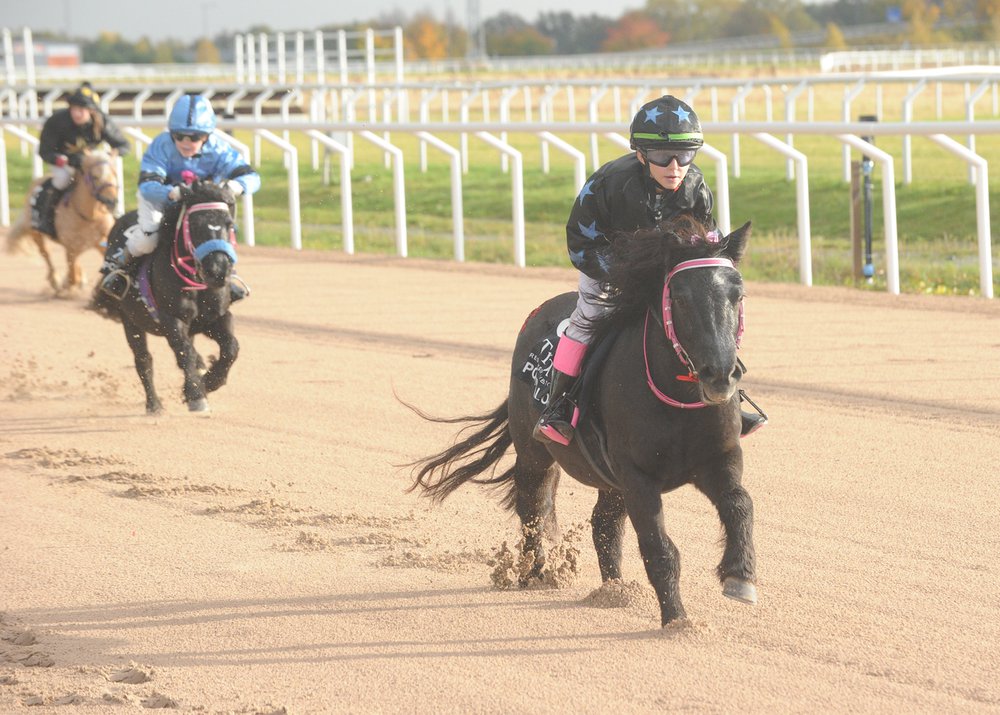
(569, 356)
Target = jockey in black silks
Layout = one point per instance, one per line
(65, 135)
(637, 191)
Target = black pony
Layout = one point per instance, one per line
(181, 289)
(663, 411)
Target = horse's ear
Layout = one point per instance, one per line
(736, 242)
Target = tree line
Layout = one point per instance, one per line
(659, 24)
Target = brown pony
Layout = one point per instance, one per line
(83, 218)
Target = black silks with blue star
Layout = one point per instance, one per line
(616, 199)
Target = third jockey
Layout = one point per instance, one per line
(189, 146)
(654, 183)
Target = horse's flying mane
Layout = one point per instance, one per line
(638, 261)
(201, 192)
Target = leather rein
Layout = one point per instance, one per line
(668, 324)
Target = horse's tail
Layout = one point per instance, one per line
(18, 234)
(441, 474)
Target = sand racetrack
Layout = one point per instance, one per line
(266, 558)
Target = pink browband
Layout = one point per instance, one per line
(668, 324)
(185, 264)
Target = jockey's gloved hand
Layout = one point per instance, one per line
(175, 193)
(235, 186)
(75, 160)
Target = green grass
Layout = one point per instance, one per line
(935, 213)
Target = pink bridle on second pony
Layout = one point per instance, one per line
(185, 265)
(668, 324)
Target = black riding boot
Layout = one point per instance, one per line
(751, 421)
(43, 208)
(116, 281)
(557, 422)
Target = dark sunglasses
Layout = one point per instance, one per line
(190, 136)
(663, 157)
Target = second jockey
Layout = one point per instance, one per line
(189, 146)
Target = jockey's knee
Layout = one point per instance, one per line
(62, 177)
(138, 242)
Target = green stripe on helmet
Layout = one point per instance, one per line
(686, 136)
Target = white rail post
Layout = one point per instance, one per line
(596, 93)
(579, 158)
(300, 58)
(517, 193)
(721, 212)
(908, 117)
(850, 95)
(801, 202)
(790, 117)
(4, 187)
(280, 48)
(507, 95)
(980, 170)
(265, 59)
(888, 206)
(970, 116)
(736, 111)
(398, 187)
(346, 203)
(238, 58)
(294, 212)
(457, 220)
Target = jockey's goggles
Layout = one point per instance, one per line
(663, 157)
(190, 136)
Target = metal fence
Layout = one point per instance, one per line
(338, 138)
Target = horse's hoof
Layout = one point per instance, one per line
(199, 406)
(156, 409)
(740, 590)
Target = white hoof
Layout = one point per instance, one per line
(739, 590)
(199, 406)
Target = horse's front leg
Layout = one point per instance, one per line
(644, 504)
(51, 275)
(737, 570)
(136, 338)
(179, 338)
(607, 524)
(229, 349)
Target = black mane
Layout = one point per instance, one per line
(639, 261)
(199, 192)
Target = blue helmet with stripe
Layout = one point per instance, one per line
(192, 113)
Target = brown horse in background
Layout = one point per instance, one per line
(83, 218)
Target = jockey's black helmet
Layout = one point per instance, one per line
(84, 96)
(666, 122)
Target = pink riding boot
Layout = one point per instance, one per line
(558, 421)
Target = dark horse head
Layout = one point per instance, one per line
(684, 275)
(202, 236)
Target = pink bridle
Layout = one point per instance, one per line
(668, 324)
(185, 265)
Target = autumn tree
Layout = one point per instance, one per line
(205, 52)
(834, 37)
(425, 38)
(635, 31)
(510, 35)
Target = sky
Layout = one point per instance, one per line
(187, 20)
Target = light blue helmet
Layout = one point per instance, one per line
(192, 113)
